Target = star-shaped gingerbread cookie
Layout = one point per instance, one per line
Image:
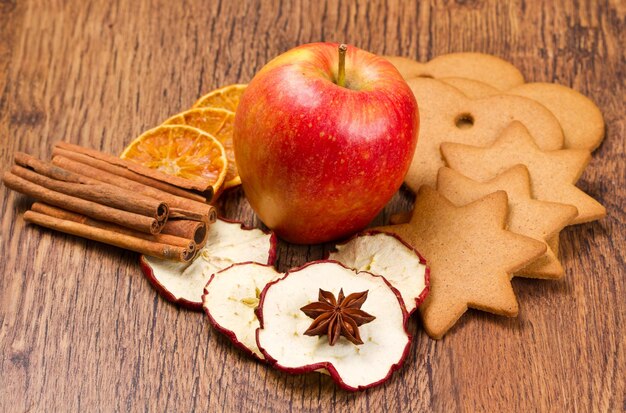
(527, 216)
(470, 254)
(552, 173)
(447, 115)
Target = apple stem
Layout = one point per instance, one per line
(341, 73)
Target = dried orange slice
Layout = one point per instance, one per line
(181, 151)
(218, 123)
(225, 98)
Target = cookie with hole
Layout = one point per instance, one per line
(447, 115)
(581, 120)
(480, 75)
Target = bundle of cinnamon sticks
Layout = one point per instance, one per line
(104, 198)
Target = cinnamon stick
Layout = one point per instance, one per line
(196, 230)
(176, 213)
(154, 249)
(55, 212)
(49, 170)
(100, 175)
(100, 193)
(101, 212)
(122, 167)
(200, 211)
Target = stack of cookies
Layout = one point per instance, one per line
(494, 174)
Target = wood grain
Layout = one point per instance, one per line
(81, 329)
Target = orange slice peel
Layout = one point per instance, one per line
(219, 123)
(226, 97)
(182, 151)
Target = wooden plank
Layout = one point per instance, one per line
(80, 329)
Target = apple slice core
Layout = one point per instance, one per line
(389, 256)
(231, 298)
(228, 243)
(282, 340)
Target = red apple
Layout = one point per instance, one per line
(321, 149)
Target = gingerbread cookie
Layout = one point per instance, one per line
(470, 254)
(554, 243)
(553, 173)
(471, 88)
(404, 217)
(580, 119)
(479, 66)
(527, 216)
(447, 115)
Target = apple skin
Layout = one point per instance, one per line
(319, 161)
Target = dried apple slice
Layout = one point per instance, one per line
(228, 242)
(389, 256)
(282, 339)
(231, 298)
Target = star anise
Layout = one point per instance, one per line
(337, 317)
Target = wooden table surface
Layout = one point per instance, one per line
(82, 330)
